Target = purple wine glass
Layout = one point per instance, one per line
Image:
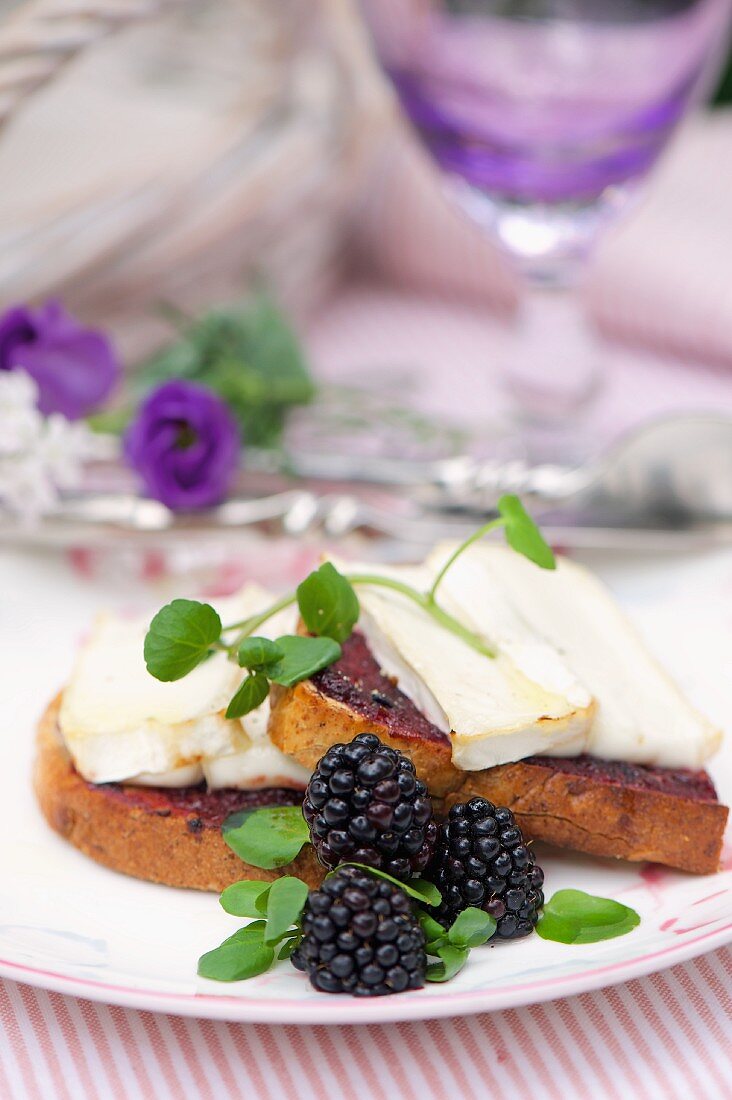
(546, 116)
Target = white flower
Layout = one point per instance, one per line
(20, 420)
(38, 455)
(63, 448)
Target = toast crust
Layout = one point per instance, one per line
(304, 722)
(604, 819)
(583, 812)
(123, 833)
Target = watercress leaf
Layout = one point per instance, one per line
(235, 960)
(417, 888)
(422, 890)
(288, 947)
(268, 838)
(179, 637)
(452, 959)
(572, 916)
(261, 903)
(241, 898)
(285, 902)
(432, 930)
(328, 604)
(257, 654)
(250, 694)
(471, 928)
(252, 932)
(522, 533)
(302, 657)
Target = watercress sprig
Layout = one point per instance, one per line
(273, 836)
(276, 929)
(251, 950)
(452, 946)
(185, 633)
(522, 535)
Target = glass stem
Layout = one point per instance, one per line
(552, 370)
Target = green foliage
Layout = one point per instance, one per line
(572, 916)
(301, 658)
(328, 604)
(522, 533)
(250, 694)
(267, 838)
(452, 959)
(243, 955)
(285, 903)
(250, 356)
(418, 888)
(179, 637)
(247, 898)
(257, 653)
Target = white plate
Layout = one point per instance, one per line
(67, 924)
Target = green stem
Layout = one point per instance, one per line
(479, 534)
(248, 626)
(427, 603)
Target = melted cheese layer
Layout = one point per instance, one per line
(524, 701)
(122, 725)
(641, 715)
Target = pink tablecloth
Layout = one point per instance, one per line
(665, 1036)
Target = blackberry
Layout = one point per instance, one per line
(481, 860)
(360, 936)
(364, 804)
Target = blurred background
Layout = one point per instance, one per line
(482, 243)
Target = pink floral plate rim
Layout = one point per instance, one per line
(350, 1010)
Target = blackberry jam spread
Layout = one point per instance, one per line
(357, 681)
(209, 808)
(675, 781)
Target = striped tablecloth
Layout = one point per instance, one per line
(665, 1036)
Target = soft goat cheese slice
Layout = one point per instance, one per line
(121, 724)
(259, 763)
(524, 701)
(641, 716)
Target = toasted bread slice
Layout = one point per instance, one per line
(164, 835)
(604, 808)
(353, 696)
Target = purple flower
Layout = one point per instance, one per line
(75, 368)
(184, 443)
